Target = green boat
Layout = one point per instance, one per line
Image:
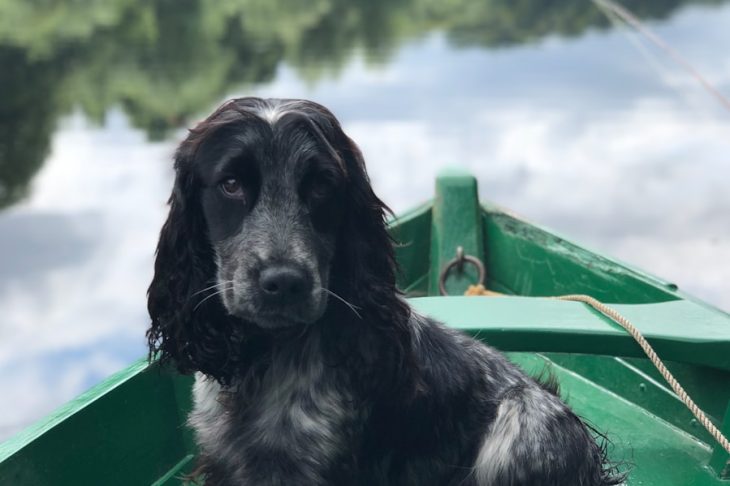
(131, 430)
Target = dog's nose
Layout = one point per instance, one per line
(284, 283)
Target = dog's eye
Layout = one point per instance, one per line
(232, 187)
(319, 188)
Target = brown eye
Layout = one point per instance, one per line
(319, 188)
(232, 187)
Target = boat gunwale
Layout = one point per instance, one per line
(26, 436)
(491, 208)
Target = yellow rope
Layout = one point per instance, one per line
(650, 353)
(480, 290)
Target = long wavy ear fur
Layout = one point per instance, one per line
(188, 330)
(364, 273)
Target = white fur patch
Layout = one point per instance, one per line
(208, 416)
(283, 422)
(417, 323)
(520, 428)
(496, 453)
(271, 114)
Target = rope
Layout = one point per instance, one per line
(648, 350)
(656, 361)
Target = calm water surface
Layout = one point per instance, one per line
(572, 120)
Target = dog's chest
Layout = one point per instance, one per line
(299, 402)
(299, 405)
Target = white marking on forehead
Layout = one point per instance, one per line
(271, 113)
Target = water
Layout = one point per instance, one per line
(572, 121)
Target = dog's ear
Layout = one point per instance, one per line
(365, 266)
(364, 270)
(188, 329)
(366, 247)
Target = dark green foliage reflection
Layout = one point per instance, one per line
(165, 61)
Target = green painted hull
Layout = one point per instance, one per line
(130, 429)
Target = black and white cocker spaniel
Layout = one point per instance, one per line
(275, 283)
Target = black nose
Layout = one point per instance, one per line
(281, 283)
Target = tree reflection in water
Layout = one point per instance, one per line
(164, 61)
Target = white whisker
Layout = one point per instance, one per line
(351, 306)
(211, 295)
(213, 286)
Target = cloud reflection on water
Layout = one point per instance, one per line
(77, 258)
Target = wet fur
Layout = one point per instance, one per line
(367, 394)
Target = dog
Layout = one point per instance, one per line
(275, 284)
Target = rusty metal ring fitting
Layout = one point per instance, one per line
(458, 262)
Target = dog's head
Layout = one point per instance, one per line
(271, 216)
(271, 183)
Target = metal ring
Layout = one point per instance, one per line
(458, 262)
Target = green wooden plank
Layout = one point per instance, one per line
(29, 434)
(679, 330)
(708, 387)
(655, 452)
(720, 460)
(525, 259)
(127, 430)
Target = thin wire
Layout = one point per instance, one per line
(637, 24)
